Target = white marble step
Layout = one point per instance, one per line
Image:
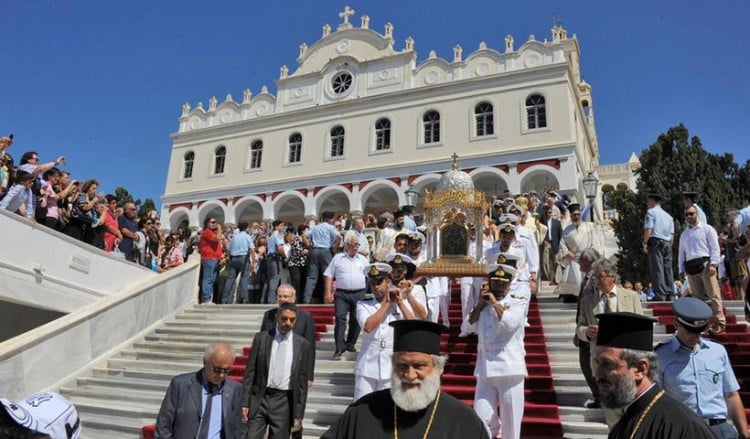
(121, 395)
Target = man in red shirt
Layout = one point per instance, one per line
(210, 250)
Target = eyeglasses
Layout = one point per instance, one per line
(221, 370)
(602, 275)
(212, 222)
(149, 223)
(689, 213)
(353, 245)
(34, 158)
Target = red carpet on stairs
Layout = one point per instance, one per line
(736, 340)
(541, 412)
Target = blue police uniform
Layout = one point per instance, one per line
(660, 251)
(700, 377)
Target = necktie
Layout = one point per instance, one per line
(279, 360)
(608, 303)
(206, 419)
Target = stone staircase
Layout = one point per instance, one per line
(123, 394)
(559, 325)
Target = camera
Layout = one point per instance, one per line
(487, 297)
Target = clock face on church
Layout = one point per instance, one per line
(341, 82)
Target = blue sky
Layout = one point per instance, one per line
(103, 81)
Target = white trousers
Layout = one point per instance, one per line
(438, 305)
(468, 302)
(364, 385)
(507, 391)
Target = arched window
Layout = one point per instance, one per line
(295, 148)
(256, 154)
(337, 141)
(431, 121)
(484, 119)
(382, 135)
(220, 158)
(536, 113)
(187, 167)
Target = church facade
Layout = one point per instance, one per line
(360, 122)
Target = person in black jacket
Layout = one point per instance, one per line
(274, 387)
(304, 326)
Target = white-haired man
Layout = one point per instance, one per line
(414, 406)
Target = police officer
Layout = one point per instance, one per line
(698, 373)
(500, 369)
(658, 235)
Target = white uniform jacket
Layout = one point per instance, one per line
(500, 350)
(374, 357)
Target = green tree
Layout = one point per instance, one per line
(146, 207)
(123, 196)
(675, 163)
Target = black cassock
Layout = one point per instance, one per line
(372, 417)
(667, 418)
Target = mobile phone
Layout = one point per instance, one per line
(10, 136)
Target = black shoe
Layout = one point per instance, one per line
(592, 404)
(350, 348)
(337, 355)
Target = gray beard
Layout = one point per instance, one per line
(619, 394)
(413, 400)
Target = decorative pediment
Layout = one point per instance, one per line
(360, 44)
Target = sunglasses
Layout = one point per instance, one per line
(221, 370)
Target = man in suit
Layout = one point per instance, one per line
(304, 326)
(551, 244)
(608, 298)
(588, 288)
(274, 388)
(203, 404)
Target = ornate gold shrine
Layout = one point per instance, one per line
(450, 210)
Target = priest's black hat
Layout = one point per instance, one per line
(626, 330)
(693, 314)
(655, 197)
(417, 336)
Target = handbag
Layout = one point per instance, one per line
(696, 266)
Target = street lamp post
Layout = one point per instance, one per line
(411, 196)
(590, 187)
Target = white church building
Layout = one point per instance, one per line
(361, 120)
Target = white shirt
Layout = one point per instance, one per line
(281, 341)
(348, 271)
(698, 242)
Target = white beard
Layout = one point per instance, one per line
(412, 400)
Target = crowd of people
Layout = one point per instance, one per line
(370, 279)
(44, 193)
(366, 267)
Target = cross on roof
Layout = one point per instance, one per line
(346, 13)
(455, 161)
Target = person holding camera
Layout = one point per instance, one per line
(402, 271)
(373, 369)
(500, 368)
